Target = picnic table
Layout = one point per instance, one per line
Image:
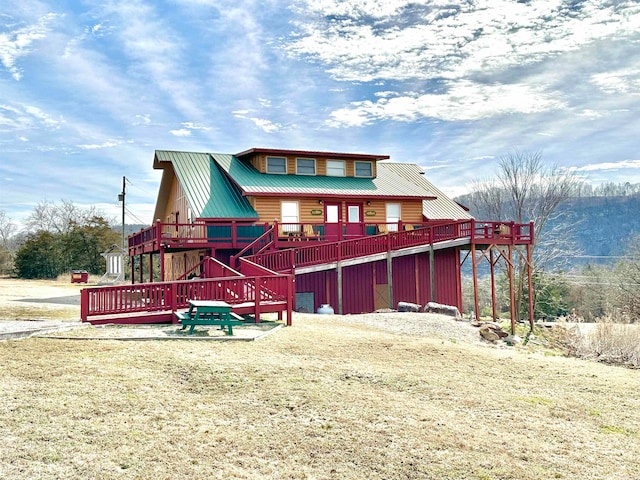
(209, 312)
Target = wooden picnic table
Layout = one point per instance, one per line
(209, 312)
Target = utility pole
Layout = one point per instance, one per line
(121, 198)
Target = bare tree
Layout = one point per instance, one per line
(7, 230)
(524, 190)
(58, 218)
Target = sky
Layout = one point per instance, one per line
(89, 89)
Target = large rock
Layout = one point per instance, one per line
(408, 307)
(433, 307)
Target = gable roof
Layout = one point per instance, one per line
(252, 182)
(210, 194)
(215, 185)
(440, 207)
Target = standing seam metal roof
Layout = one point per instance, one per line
(251, 181)
(209, 192)
(440, 208)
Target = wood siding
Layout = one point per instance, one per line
(176, 264)
(176, 203)
(269, 208)
(259, 162)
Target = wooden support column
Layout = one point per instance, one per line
(390, 278)
(162, 264)
(339, 271)
(133, 270)
(476, 301)
(493, 284)
(512, 300)
(530, 279)
(151, 267)
(141, 269)
(432, 273)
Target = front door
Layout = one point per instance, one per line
(355, 227)
(332, 221)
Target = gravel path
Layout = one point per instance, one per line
(417, 324)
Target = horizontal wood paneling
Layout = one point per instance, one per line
(259, 162)
(268, 209)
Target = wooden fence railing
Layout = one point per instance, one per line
(254, 292)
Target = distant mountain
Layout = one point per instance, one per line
(601, 225)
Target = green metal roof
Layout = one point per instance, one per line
(209, 192)
(252, 182)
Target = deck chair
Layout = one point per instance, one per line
(383, 228)
(308, 231)
(408, 227)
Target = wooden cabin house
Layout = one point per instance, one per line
(355, 231)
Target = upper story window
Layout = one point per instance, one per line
(335, 168)
(364, 169)
(305, 166)
(276, 165)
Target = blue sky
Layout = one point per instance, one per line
(89, 89)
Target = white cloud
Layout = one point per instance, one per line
(464, 101)
(194, 126)
(625, 81)
(18, 43)
(367, 40)
(622, 164)
(183, 132)
(266, 125)
(95, 146)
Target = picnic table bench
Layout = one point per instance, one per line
(209, 312)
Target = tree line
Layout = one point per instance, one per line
(57, 238)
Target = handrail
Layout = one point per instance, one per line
(171, 296)
(267, 234)
(210, 260)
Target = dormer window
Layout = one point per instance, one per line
(305, 166)
(277, 165)
(364, 169)
(335, 168)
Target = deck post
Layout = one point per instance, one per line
(339, 272)
(493, 284)
(84, 304)
(290, 296)
(476, 301)
(530, 279)
(432, 272)
(390, 277)
(512, 299)
(258, 294)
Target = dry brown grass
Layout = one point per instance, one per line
(324, 399)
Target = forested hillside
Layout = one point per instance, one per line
(600, 226)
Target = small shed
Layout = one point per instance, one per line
(114, 257)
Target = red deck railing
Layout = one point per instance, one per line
(254, 292)
(328, 252)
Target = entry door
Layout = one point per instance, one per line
(332, 221)
(355, 227)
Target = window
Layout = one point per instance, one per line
(364, 169)
(393, 216)
(335, 168)
(353, 214)
(305, 166)
(276, 165)
(290, 216)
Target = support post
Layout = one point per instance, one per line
(432, 272)
(339, 272)
(476, 301)
(512, 299)
(530, 279)
(390, 277)
(493, 284)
